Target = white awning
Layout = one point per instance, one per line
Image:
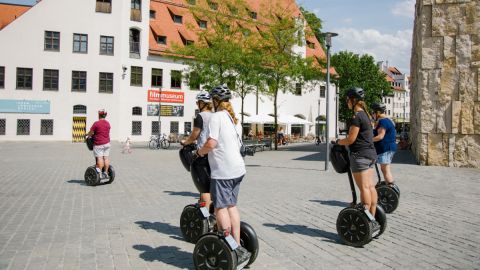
(258, 119)
(290, 119)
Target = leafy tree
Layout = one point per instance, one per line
(358, 71)
(315, 24)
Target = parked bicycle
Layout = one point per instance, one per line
(159, 141)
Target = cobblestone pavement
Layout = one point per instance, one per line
(49, 219)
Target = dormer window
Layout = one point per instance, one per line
(310, 45)
(153, 14)
(162, 40)
(177, 19)
(202, 24)
(253, 15)
(213, 5)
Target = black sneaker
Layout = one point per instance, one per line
(243, 255)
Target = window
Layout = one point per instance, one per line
(194, 81)
(3, 126)
(24, 78)
(106, 45)
(177, 19)
(253, 15)
(176, 79)
(162, 40)
(388, 112)
(322, 91)
(135, 12)
(134, 36)
(298, 89)
(50, 79)
(157, 77)
(23, 126)
(79, 81)
(52, 41)
(136, 76)
(136, 127)
(153, 14)
(46, 127)
(106, 82)
(2, 77)
(202, 24)
(155, 127)
(80, 43)
(137, 111)
(174, 127)
(213, 5)
(104, 6)
(79, 109)
(187, 127)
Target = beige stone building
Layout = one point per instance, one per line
(445, 69)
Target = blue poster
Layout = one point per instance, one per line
(24, 106)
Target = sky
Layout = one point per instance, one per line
(381, 28)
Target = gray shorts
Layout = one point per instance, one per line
(359, 164)
(225, 192)
(101, 150)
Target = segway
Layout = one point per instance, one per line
(355, 223)
(388, 195)
(213, 249)
(92, 177)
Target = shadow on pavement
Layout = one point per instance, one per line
(167, 254)
(80, 182)
(302, 229)
(404, 157)
(332, 203)
(161, 227)
(182, 193)
(312, 157)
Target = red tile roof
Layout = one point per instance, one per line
(394, 70)
(10, 12)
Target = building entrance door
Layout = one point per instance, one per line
(79, 128)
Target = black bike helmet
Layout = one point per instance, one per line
(356, 92)
(221, 93)
(379, 107)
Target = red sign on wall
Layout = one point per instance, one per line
(167, 96)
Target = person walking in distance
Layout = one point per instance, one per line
(100, 131)
(226, 164)
(200, 130)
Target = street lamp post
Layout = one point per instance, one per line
(328, 42)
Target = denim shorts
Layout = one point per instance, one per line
(225, 192)
(360, 164)
(385, 158)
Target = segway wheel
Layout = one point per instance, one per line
(212, 252)
(111, 174)
(165, 144)
(91, 176)
(381, 218)
(192, 224)
(387, 198)
(249, 240)
(353, 227)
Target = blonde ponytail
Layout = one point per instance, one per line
(226, 105)
(364, 107)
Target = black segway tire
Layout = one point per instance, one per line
(249, 240)
(354, 227)
(192, 223)
(381, 218)
(111, 174)
(212, 252)
(387, 198)
(91, 176)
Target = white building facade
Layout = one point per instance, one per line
(63, 60)
(398, 104)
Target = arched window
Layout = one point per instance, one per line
(79, 109)
(301, 116)
(137, 111)
(134, 42)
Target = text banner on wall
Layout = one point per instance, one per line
(167, 96)
(24, 106)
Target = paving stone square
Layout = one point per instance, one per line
(49, 218)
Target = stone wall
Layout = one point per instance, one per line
(445, 92)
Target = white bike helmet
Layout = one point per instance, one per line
(204, 96)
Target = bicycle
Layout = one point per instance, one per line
(159, 141)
